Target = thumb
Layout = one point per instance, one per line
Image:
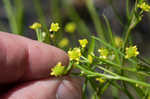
(53, 88)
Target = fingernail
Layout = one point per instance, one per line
(68, 90)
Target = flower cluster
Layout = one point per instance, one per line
(58, 70)
(131, 52)
(89, 64)
(145, 7)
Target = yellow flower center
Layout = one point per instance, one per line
(74, 54)
(131, 52)
(58, 70)
(83, 43)
(54, 27)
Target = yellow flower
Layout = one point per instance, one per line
(100, 80)
(83, 43)
(54, 27)
(35, 25)
(58, 70)
(63, 43)
(74, 54)
(131, 52)
(103, 53)
(118, 41)
(145, 7)
(70, 27)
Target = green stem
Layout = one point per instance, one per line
(107, 71)
(112, 77)
(42, 19)
(95, 18)
(105, 87)
(133, 21)
(111, 37)
(126, 36)
(117, 66)
(91, 47)
(39, 35)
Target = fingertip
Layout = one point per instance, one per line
(42, 57)
(2, 53)
(40, 89)
(22, 59)
(52, 88)
(12, 58)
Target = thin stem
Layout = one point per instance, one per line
(105, 87)
(84, 89)
(122, 89)
(11, 16)
(114, 74)
(127, 9)
(113, 48)
(19, 14)
(55, 10)
(39, 34)
(126, 36)
(117, 66)
(111, 37)
(112, 77)
(95, 18)
(42, 19)
(91, 46)
(82, 27)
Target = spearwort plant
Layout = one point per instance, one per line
(105, 60)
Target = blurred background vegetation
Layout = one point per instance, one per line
(25, 12)
(64, 11)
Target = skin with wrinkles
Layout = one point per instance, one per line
(24, 70)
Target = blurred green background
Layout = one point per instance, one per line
(61, 11)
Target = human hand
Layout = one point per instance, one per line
(25, 67)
